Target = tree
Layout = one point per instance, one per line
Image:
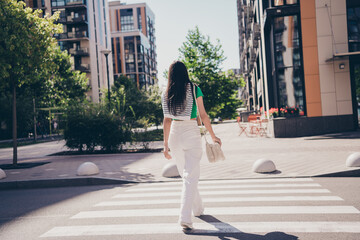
(64, 86)
(203, 61)
(155, 110)
(25, 47)
(139, 107)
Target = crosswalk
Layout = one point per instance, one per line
(289, 205)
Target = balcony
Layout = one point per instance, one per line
(79, 51)
(70, 36)
(81, 34)
(252, 55)
(61, 20)
(75, 2)
(68, 3)
(78, 19)
(83, 67)
(61, 36)
(257, 31)
(255, 42)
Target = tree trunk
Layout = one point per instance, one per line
(14, 125)
(35, 132)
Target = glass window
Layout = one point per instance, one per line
(291, 1)
(353, 20)
(56, 3)
(288, 62)
(284, 2)
(126, 20)
(132, 77)
(139, 19)
(130, 67)
(278, 2)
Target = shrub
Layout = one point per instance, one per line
(91, 125)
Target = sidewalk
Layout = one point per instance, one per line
(293, 157)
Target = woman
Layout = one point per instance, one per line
(182, 137)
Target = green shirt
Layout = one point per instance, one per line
(198, 94)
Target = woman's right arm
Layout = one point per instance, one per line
(166, 130)
(205, 119)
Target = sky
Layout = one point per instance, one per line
(173, 19)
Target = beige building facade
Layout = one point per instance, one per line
(86, 35)
(302, 56)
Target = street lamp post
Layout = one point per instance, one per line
(106, 52)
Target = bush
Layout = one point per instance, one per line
(91, 125)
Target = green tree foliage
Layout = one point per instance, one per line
(62, 88)
(32, 66)
(25, 43)
(25, 39)
(203, 60)
(140, 108)
(154, 97)
(65, 86)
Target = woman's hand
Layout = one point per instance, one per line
(217, 140)
(166, 152)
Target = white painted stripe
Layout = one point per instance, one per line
(220, 211)
(205, 228)
(280, 185)
(235, 181)
(220, 200)
(229, 192)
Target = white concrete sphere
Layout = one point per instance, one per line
(170, 170)
(353, 160)
(87, 168)
(2, 174)
(263, 166)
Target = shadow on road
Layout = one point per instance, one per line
(343, 135)
(234, 233)
(20, 203)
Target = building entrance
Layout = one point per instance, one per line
(355, 79)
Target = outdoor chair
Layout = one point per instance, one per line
(243, 128)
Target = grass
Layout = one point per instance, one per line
(19, 144)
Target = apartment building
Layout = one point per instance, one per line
(86, 37)
(133, 39)
(302, 55)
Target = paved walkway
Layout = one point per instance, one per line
(294, 157)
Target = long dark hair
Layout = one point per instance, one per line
(178, 79)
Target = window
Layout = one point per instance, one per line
(130, 67)
(288, 62)
(139, 19)
(277, 3)
(353, 20)
(56, 3)
(126, 20)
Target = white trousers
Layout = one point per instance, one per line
(185, 147)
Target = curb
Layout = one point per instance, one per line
(70, 182)
(350, 173)
(95, 181)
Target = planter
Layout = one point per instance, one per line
(282, 127)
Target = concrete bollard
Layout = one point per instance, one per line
(87, 168)
(353, 160)
(264, 166)
(2, 174)
(170, 170)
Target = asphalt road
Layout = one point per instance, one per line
(254, 209)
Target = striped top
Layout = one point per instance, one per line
(180, 115)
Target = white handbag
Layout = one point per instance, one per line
(213, 151)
